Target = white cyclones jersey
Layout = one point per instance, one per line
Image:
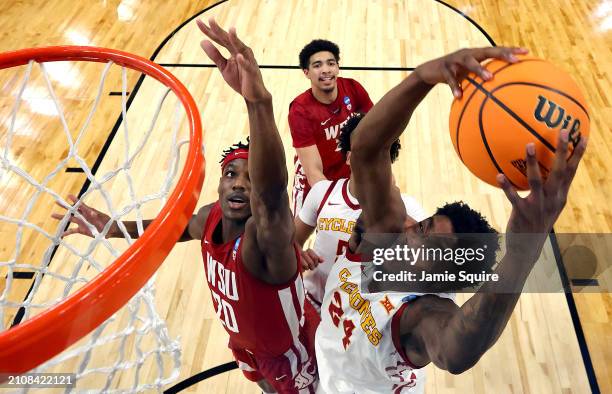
(333, 211)
(357, 342)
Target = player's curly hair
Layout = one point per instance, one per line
(466, 220)
(344, 140)
(315, 46)
(232, 148)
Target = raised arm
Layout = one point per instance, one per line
(455, 338)
(386, 121)
(272, 221)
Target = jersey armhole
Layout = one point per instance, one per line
(329, 190)
(395, 335)
(211, 214)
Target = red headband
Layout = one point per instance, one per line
(237, 154)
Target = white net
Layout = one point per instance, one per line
(132, 351)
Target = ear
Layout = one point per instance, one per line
(348, 158)
(305, 71)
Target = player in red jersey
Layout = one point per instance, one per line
(317, 115)
(250, 257)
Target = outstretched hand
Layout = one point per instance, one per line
(240, 70)
(453, 68)
(91, 215)
(537, 212)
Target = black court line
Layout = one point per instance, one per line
(118, 93)
(22, 275)
(584, 282)
(571, 303)
(219, 369)
(75, 169)
(287, 67)
(473, 22)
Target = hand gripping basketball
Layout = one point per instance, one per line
(453, 68)
(536, 213)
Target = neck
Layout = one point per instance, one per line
(231, 229)
(325, 97)
(351, 187)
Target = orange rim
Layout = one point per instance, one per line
(38, 339)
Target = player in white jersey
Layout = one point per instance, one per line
(332, 210)
(379, 343)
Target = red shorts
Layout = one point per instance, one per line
(295, 371)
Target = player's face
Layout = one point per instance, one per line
(234, 190)
(322, 71)
(434, 232)
(437, 224)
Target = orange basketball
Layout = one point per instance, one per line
(529, 101)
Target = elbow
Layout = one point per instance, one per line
(458, 368)
(459, 363)
(359, 147)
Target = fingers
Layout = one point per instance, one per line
(452, 82)
(504, 53)
(57, 216)
(534, 176)
(474, 66)
(307, 262)
(238, 45)
(214, 32)
(572, 163)
(71, 231)
(560, 163)
(213, 54)
(508, 189)
(310, 260)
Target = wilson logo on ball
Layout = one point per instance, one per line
(554, 117)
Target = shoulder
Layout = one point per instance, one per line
(318, 191)
(349, 83)
(197, 223)
(300, 103)
(428, 311)
(420, 323)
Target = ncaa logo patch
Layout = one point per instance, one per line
(347, 102)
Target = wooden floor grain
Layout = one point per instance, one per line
(538, 352)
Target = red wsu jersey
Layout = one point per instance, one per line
(264, 319)
(314, 123)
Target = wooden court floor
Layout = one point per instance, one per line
(541, 350)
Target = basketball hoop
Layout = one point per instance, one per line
(36, 340)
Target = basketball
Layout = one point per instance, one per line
(528, 101)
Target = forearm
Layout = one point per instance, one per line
(389, 117)
(132, 229)
(267, 167)
(314, 175)
(130, 226)
(481, 320)
(302, 231)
